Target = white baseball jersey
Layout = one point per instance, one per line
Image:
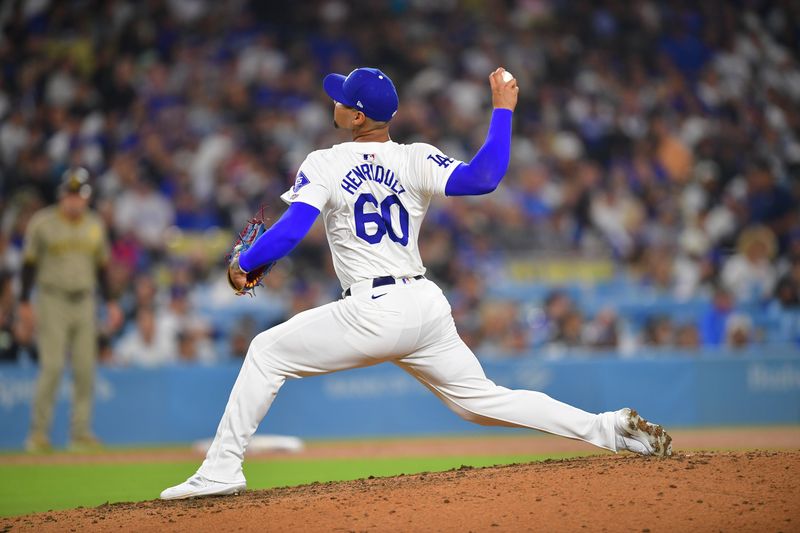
(373, 197)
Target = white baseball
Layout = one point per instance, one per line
(507, 76)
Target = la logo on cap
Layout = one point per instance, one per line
(367, 89)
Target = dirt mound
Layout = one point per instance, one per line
(741, 491)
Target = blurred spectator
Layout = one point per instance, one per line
(105, 350)
(179, 321)
(468, 294)
(602, 332)
(540, 196)
(768, 202)
(147, 345)
(243, 332)
(500, 331)
(304, 297)
(673, 154)
(749, 274)
(714, 320)
(142, 296)
(738, 332)
(545, 329)
(9, 347)
(619, 217)
(144, 213)
(658, 332)
(787, 291)
(192, 348)
(654, 155)
(687, 337)
(658, 269)
(179, 315)
(570, 330)
(436, 250)
(693, 267)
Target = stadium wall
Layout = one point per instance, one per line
(180, 404)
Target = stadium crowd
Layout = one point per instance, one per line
(663, 137)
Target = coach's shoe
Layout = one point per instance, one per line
(38, 443)
(637, 435)
(85, 443)
(197, 486)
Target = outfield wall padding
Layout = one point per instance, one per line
(183, 403)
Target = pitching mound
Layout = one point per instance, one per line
(736, 491)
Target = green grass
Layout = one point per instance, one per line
(35, 488)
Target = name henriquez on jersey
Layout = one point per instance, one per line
(372, 197)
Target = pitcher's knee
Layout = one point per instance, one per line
(473, 417)
(478, 408)
(262, 353)
(262, 340)
(465, 410)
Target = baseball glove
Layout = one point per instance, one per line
(252, 231)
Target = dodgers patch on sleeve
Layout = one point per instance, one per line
(301, 181)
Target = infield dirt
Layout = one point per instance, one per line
(698, 491)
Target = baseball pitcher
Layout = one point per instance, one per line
(373, 194)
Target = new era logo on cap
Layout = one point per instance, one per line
(367, 89)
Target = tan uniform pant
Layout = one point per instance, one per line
(65, 324)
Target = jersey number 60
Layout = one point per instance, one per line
(382, 220)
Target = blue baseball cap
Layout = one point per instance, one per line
(367, 89)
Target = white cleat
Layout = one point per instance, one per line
(198, 486)
(637, 435)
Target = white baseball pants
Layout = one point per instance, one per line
(409, 324)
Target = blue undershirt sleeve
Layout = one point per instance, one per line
(281, 238)
(482, 175)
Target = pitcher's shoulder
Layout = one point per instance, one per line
(420, 148)
(325, 156)
(321, 154)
